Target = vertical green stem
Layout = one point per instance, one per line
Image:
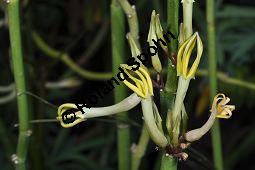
(167, 95)
(168, 162)
(216, 138)
(187, 18)
(118, 54)
(19, 76)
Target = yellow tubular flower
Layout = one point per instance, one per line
(184, 54)
(141, 87)
(219, 109)
(68, 117)
(220, 106)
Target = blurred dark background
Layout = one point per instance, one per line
(82, 29)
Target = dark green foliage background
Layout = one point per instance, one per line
(71, 26)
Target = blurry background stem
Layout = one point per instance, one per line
(19, 76)
(118, 57)
(65, 58)
(138, 150)
(216, 138)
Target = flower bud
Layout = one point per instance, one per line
(133, 46)
(152, 36)
(181, 35)
(159, 33)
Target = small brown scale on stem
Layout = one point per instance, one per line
(178, 151)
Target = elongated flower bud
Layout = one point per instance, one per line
(133, 46)
(181, 37)
(134, 49)
(152, 36)
(159, 33)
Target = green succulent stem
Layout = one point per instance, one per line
(212, 60)
(168, 93)
(19, 77)
(168, 162)
(118, 57)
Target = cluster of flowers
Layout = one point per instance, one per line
(135, 76)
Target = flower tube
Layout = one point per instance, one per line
(143, 87)
(71, 112)
(185, 75)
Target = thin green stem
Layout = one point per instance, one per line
(216, 137)
(130, 12)
(118, 57)
(138, 150)
(65, 58)
(227, 79)
(19, 76)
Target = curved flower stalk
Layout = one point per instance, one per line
(69, 115)
(220, 109)
(143, 87)
(185, 75)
